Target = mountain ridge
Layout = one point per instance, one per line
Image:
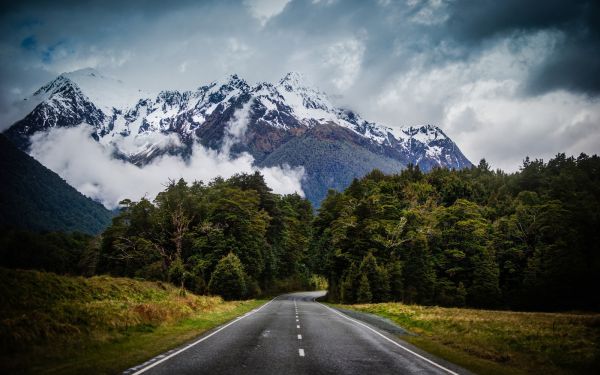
(139, 130)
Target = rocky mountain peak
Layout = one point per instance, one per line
(290, 122)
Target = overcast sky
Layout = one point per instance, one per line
(504, 79)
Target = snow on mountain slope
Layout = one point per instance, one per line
(139, 127)
(105, 92)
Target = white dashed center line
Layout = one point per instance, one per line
(300, 351)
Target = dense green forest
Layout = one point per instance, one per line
(475, 237)
(472, 237)
(231, 237)
(35, 198)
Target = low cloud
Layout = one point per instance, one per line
(90, 167)
(344, 59)
(236, 128)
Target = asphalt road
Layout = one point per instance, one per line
(292, 334)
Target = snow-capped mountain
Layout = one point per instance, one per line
(288, 122)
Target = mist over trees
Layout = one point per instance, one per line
(472, 237)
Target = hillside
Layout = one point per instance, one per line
(62, 324)
(33, 197)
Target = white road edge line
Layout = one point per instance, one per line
(390, 340)
(301, 352)
(200, 340)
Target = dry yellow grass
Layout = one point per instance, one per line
(61, 324)
(502, 342)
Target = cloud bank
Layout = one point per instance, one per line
(451, 63)
(90, 168)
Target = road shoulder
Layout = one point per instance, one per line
(396, 333)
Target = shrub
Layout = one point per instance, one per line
(228, 278)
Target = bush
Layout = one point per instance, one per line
(177, 272)
(228, 279)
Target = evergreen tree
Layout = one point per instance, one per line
(419, 275)
(379, 283)
(228, 279)
(364, 295)
(349, 285)
(484, 291)
(461, 295)
(396, 281)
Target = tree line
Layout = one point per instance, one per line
(472, 237)
(230, 237)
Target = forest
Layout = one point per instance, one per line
(474, 237)
(229, 237)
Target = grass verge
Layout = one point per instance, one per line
(54, 324)
(500, 342)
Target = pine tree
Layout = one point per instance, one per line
(228, 278)
(379, 283)
(364, 294)
(396, 281)
(419, 275)
(461, 295)
(350, 284)
(485, 290)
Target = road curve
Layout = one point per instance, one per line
(292, 334)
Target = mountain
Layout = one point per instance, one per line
(33, 197)
(288, 122)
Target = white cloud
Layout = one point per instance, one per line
(233, 54)
(65, 59)
(480, 105)
(183, 66)
(91, 169)
(236, 128)
(344, 59)
(504, 129)
(430, 12)
(412, 69)
(264, 10)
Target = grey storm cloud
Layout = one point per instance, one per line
(473, 67)
(575, 63)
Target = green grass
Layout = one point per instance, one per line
(500, 342)
(70, 325)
